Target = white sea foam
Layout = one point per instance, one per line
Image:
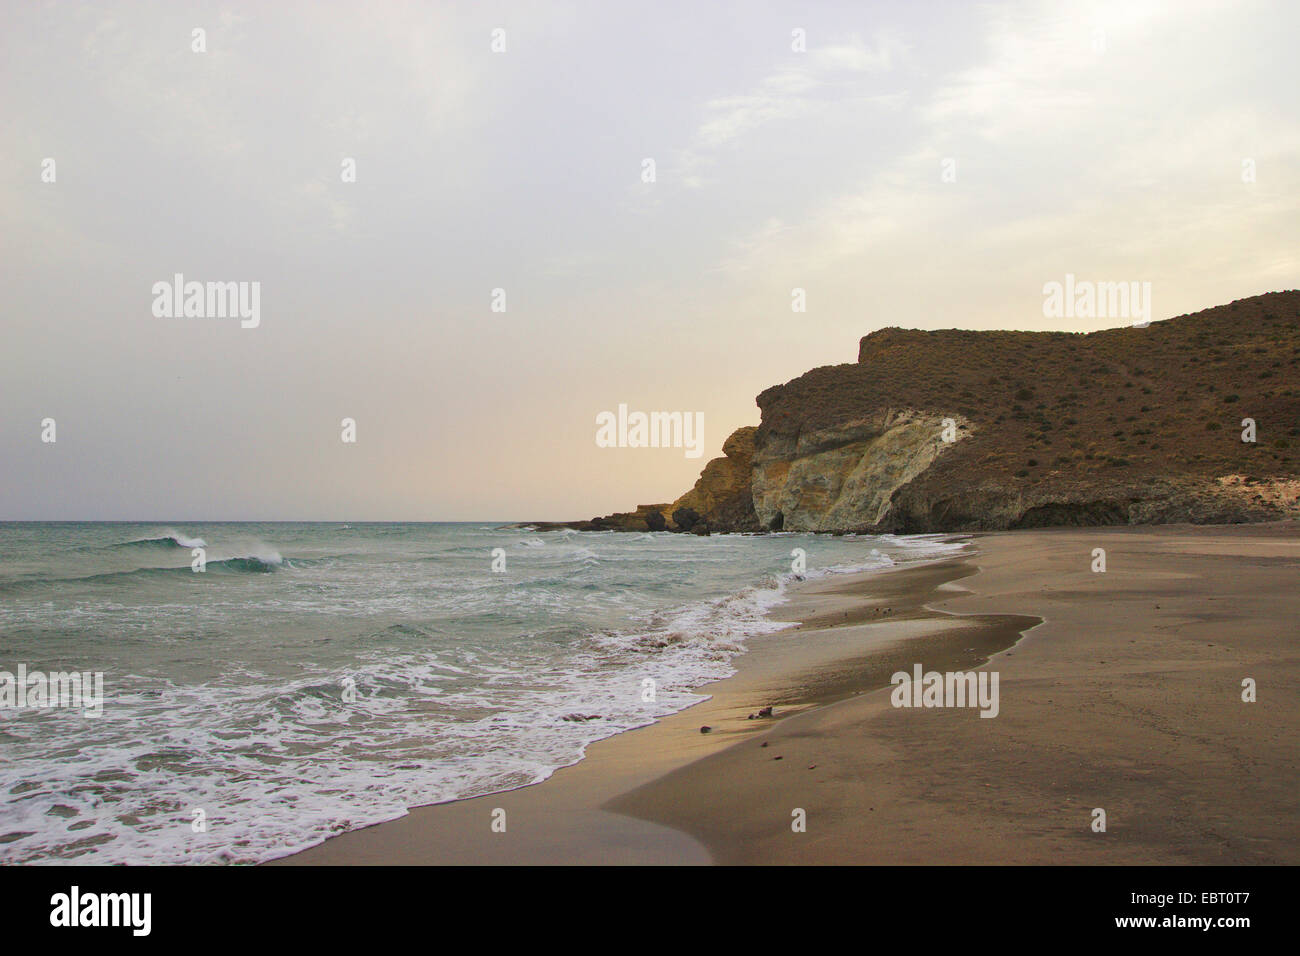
(185, 541)
(464, 681)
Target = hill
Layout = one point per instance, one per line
(958, 430)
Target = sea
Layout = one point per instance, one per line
(268, 685)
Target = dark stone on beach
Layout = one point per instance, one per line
(765, 712)
(685, 518)
(778, 758)
(655, 521)
(578, 718)
(705, 729)
(701, 528)
(763, 744)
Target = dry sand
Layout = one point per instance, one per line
(1124, 693)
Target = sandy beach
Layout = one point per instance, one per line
(1119, 690)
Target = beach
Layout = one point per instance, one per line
(1120, 690)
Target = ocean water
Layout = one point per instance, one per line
(226, 691)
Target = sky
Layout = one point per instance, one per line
(915, 164)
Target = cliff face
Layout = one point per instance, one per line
(966, 431)
(1125, 426)
(844, 477)
(722, 496)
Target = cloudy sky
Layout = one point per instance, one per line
(1106, 140)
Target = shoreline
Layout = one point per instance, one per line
(846, 637)
(1119, 691)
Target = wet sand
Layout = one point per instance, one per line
(1118, 690)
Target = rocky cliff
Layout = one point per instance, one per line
(722, 497)
(959, 431)
(720, 501)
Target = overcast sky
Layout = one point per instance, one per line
(1106, 140)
